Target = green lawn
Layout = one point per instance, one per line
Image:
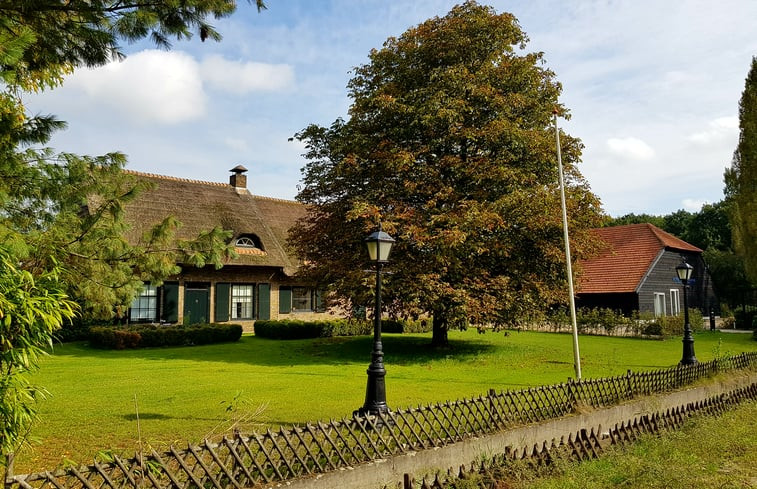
(710, 452)
(183, 393)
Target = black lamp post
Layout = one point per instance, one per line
(684, 271)
(379, 245)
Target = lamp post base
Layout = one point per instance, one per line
(688, 352)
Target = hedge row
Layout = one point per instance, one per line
(118, 338)
(292, 329)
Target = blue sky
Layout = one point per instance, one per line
(652, 86)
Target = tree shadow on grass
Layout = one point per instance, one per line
(398, 350)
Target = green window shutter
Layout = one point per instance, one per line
(222, 302)
(318, 300)
(264, 301)
(170, 312)
(285, 300)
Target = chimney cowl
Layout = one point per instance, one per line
(238, 179)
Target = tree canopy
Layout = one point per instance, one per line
(449, 144)
(56, 259)
(741, 178)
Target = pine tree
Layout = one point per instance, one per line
(741, 178)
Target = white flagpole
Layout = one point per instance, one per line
(571, 298)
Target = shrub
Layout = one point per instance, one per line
(652, 329)
(153, 336)
(292, 329)
(745, 319)
(672, 325)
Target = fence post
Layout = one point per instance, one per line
(407, 482)
(572, 395)
(629, 384)
(492, 408)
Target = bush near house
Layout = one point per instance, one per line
(297, 329)
(746, 319)
(119, 338)
(609, 322)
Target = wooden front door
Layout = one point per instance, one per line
(196, 305)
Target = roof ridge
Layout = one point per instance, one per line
(275, 199)
(205, 182)
(175, 179)
(669, 240)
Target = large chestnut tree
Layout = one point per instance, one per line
(449, 145)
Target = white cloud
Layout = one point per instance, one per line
(151, 85)
(630, 148)
(240, 78)
(693, 205)
(718, 130)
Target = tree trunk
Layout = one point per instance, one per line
(439, 336)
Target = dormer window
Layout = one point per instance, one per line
(249, 243)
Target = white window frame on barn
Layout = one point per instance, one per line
(659, 304)
(675, 302)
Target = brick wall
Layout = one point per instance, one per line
(243, 275)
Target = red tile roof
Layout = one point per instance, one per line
(631, 250)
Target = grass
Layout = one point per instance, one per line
(189, 393)
(708, 453)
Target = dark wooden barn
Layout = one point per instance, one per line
(636, 272)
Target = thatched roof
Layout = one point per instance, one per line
(201, 206)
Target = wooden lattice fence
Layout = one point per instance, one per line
(253, 460)
(582, 445)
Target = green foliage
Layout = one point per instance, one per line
(709, 452)
(604, 318)
(119, 338)
(292, 329)
(745, 319)
(607, 321)
(741, 178)
(450, 145)
(61, 227)
(671, 325)
(64, 210)
(31, 310)
(59, 36)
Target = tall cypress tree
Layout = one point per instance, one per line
(741, 178)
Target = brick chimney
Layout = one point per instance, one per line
(238, 179)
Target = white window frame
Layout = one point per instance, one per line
(144, 307)
(659, 300)
(302, 299)
(675, 302)
(242, 301)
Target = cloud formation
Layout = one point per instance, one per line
(240, 78)
(157, 86)
(630, 148)
(718, 130)
(171, 87)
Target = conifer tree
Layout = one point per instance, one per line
(741, 178)
(50, 251)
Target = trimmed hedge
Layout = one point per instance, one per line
(119, 338)
(293, 329)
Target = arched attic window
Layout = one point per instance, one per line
(249, 244)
